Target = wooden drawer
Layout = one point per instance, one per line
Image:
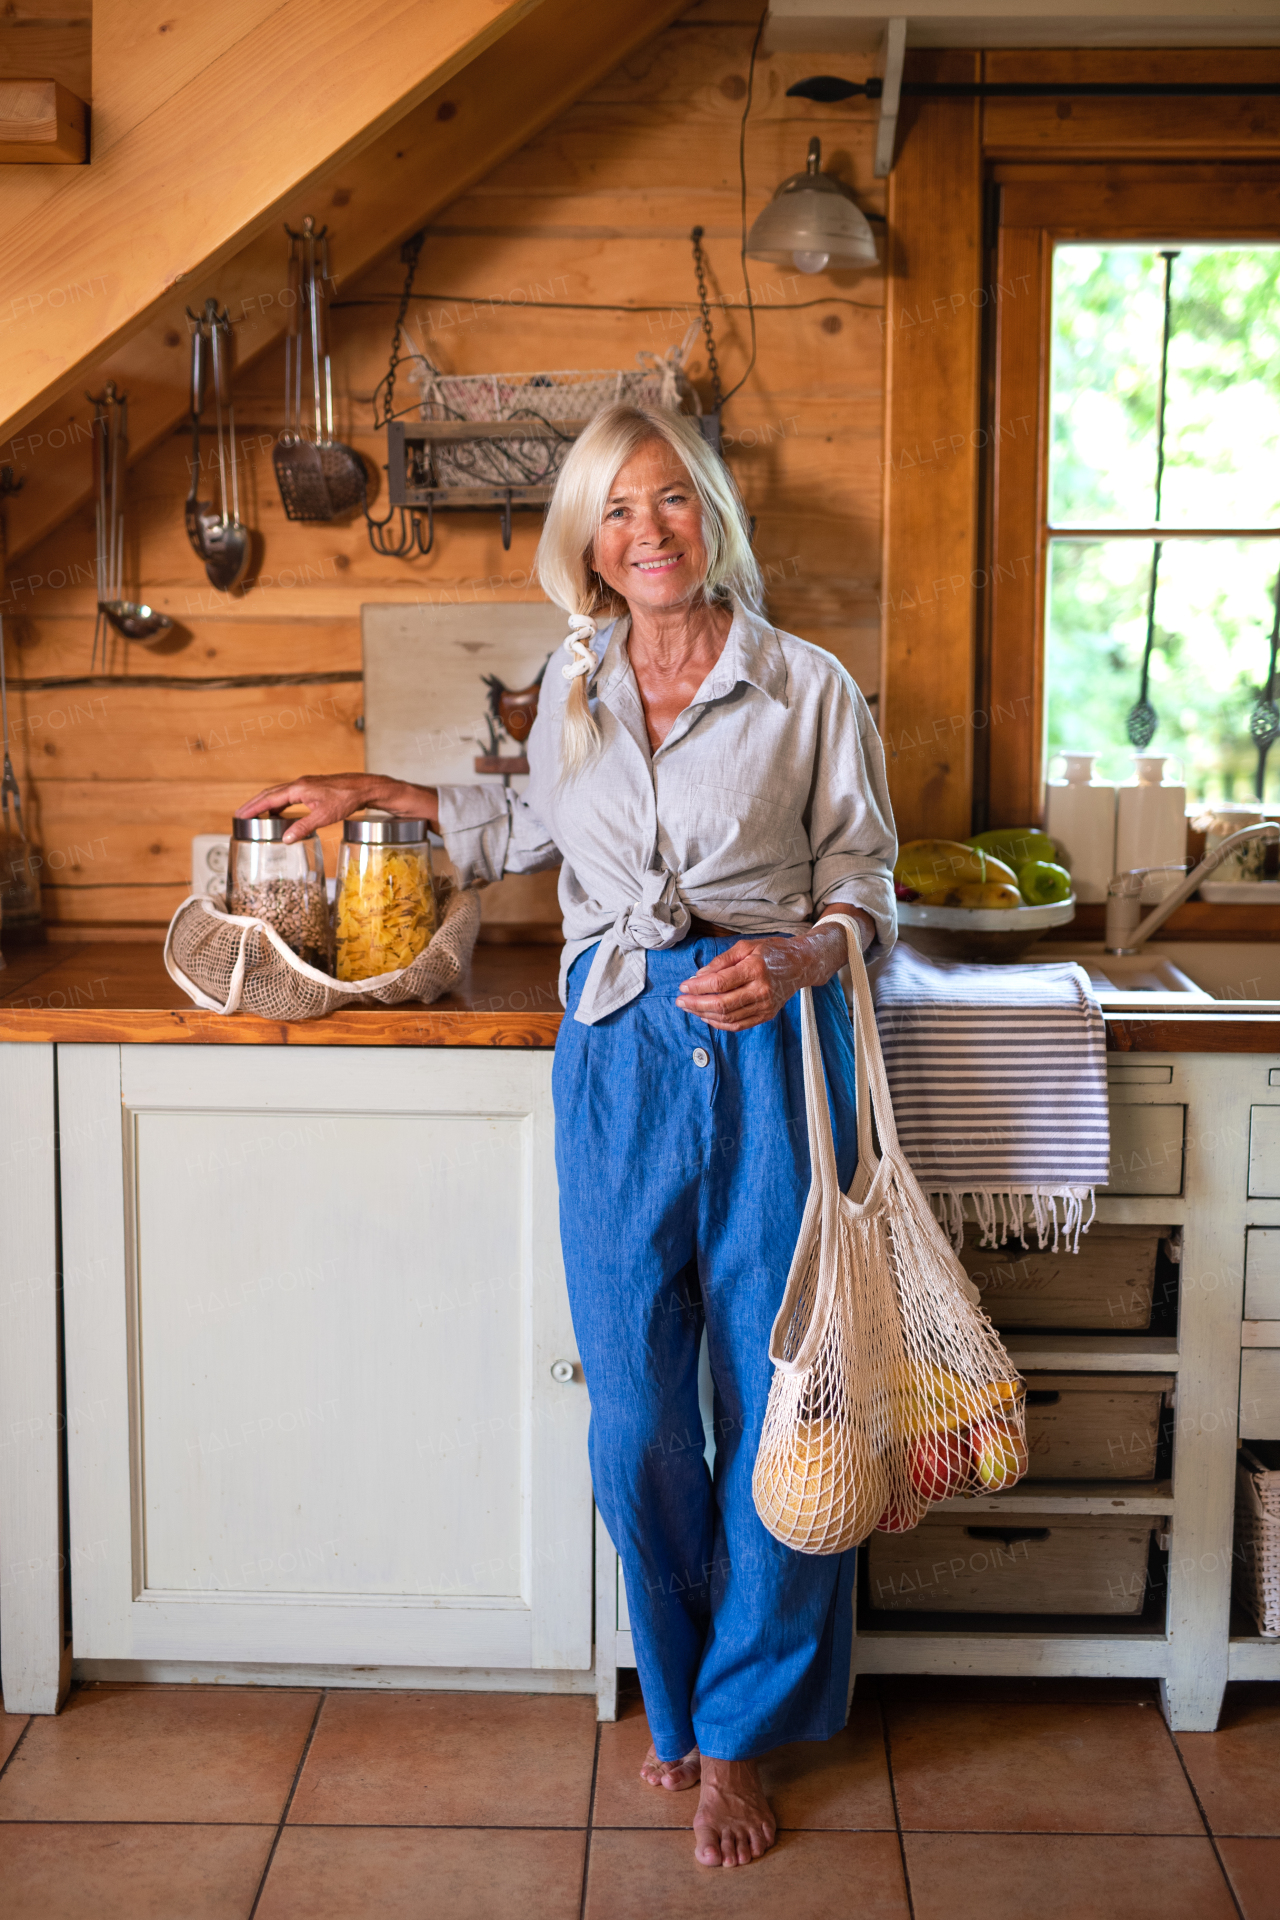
(1260, 1393)
(1059, 1563)
(1094, 1426)
(1106, 1286)
(1146, 1149)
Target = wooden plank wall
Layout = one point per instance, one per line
(596, 211)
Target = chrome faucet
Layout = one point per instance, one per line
(1126, 930)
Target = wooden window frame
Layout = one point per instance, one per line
(961, 640)
(1038, 208)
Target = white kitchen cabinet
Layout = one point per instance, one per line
(324, 1401)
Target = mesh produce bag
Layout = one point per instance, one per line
(231, 963)
(891, 1389)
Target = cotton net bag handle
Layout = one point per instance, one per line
(876, 1171)
(866, 1191)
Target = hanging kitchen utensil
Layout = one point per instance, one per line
(1264, 721)
(319, 478)
(19, 877)
(227, 540)
(131, 619)
(399, 546)
(19, 870)
(201, 515)
(299, 474)
(343, 468)
(1143, 718)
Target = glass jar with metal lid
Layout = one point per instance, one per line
(283, 885)
(386, 908)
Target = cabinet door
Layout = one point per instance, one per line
(314, 1299)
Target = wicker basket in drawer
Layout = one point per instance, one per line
(1052, 1563)
(1094, 1426)
(1107, 1285)
(1255, 1570)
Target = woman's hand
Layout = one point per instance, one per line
(750, 983)
(335, 796)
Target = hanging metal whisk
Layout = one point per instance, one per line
(1264, 721)
(1143, 718)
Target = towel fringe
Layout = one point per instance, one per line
(1005, 1213)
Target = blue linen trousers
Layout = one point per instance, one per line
(682, 1186)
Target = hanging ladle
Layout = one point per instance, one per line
(226, 540)
(220, 539)
(1143, 718)
(201, 515)
(131, 619)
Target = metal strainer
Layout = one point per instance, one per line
(319, 478)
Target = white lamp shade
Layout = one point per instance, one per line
(812, 215)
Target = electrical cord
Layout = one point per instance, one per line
(608, 306)
(742, 181)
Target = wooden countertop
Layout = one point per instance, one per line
(115, 991)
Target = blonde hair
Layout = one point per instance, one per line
(574, 517)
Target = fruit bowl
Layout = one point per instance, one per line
(979, 933)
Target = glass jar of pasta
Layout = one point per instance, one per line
(385, 910)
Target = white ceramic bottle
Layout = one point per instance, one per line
(1081, 816)
(1151, 825)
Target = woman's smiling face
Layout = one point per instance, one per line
(650, 547)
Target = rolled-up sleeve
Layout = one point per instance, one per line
(850, 820)
(489, 831)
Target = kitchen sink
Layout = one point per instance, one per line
(1173, 972)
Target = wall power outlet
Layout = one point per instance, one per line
(210, 853)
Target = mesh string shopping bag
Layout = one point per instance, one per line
(232, 963)
(891, 1389)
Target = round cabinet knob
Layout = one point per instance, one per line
(562, 1372)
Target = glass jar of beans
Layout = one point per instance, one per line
(283, 885)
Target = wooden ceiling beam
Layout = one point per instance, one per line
(457, 136)
(212, 164)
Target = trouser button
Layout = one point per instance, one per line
(701, 1058)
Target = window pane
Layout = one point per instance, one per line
(1222, 412)
(1214, 611)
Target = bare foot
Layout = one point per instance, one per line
(674, 1775)
(734, 1824)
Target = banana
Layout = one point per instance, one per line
(928, 866)
(973, 894)
(931, 1398)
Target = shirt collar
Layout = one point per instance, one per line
(752, 652)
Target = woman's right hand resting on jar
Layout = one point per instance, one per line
(336, 796)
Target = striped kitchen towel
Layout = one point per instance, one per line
(999, 1084)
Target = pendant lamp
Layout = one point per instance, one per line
(813, 222)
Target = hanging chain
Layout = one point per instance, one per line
(713, 365)
(409, 254)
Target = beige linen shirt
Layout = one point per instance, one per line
(765, 802)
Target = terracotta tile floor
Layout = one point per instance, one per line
(942, 1800)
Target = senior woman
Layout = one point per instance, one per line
(709, 788)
